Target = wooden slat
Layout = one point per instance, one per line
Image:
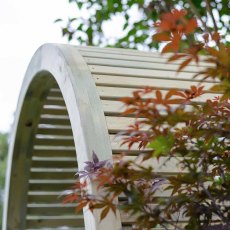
(57, 153)
(136, 73)
(53, 101)
(163, 165)
(176, 218)
(54, 221)
(141, 82)
(154, 59)
(54, 159)
(50, 185)
(133, 228)
(53, 148)
(53, 170)
(44, 197)
(140, 64)
(117, 148)
(111, 52)
(52, 124)
(129, 219)
(115, 93)
(54, 130)
(54, 92)
(54, 111)
(114, 123)
(52, 175)
(53, 162)
(51, 209)
(122, 52)
(69, 228)
(54, 120)
(58, 142)
(117, 124)
(115, 108)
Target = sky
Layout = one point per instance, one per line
(24, 26)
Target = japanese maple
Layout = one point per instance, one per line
(174, 126)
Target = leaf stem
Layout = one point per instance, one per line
(195, 11)
(211, 14)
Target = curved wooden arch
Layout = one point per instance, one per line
(66, 66)
(69, 107)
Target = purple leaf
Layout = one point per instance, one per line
(95, 158)
(157, 182)
(91, 167)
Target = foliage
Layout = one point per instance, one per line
(3, 158)
(137, 18)
(194, 136)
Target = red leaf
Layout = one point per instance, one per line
(176, 101)
(71, 198)
(158, 96)
(167, 48)
(104, 213)
(216, 36)
(212, 51)
(129, 111)
(184, 64)
(160, 37)
(81, 205)
(206, 38)
(191, 26)
(176, 57)
(170, 93)
(178, 14)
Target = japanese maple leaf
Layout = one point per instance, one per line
(92, 167)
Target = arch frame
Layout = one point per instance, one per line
(83, 104)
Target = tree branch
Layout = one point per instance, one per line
(195, 11)
(211, 14)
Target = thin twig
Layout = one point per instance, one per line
(211, 14)
(223, 218)
(195, 11)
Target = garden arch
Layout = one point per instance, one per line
(68, 107)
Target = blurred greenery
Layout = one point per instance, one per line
(3, 159)
(137, 18)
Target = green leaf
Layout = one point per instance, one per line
(58, 20)
(79, 4)
(110, 4)
(162, 144)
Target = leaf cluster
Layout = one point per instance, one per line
(137, 18)
(173, 128)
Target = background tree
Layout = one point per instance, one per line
(3, 159)
(138, 17)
